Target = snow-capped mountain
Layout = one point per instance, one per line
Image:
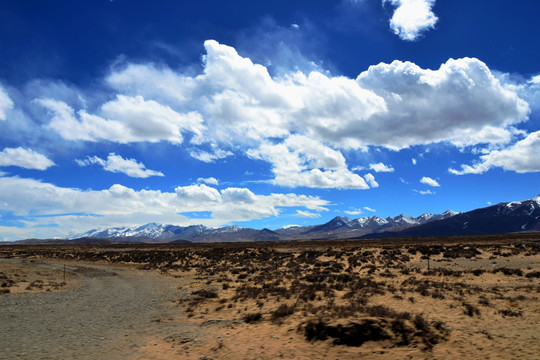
(151, 231)
(508, 217)
(159, 233)
(515, 216)
(343, 227)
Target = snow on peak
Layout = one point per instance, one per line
(232, 228)
(380, 220)
(425, 217)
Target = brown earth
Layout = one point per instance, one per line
(309, 300)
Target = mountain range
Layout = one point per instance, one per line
(516, 216)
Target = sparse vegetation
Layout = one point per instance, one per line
(344, 292)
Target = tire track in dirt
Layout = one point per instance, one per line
(108, 317)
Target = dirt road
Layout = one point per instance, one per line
(109, 317)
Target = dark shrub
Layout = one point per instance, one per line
(282, 311)
(251, 318)
(206, 294)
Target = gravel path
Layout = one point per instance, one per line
(109, 317)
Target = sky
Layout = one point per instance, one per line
(262, 113)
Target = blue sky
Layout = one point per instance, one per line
(262, 114)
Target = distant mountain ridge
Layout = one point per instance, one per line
(338, 227)
(510, 217)
(515, 216)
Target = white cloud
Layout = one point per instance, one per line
(369, 209)
(429, 181)
(301, 161)
(535, 80)
(353, 212)
(425, 192)
(371, 180)
(307, 214)
(5, 103)
(299, 122)
(238, 195)
(241, 102)
(124, 120)
(457, 102)
(236, 102)
(380, 167)
(25, 158)
(521, 157)
(127, 207)
(412, 17)
(117, 164)
(413, 160)
(209, 181)
(197, 194)
(210, 157)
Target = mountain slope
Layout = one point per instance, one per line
(342, 227)
(515, 216)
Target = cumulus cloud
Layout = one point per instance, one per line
(412, 17)
(301, 161)
(429, 181)
(241, 102)
(454, 103)
(236, 101)
(394, 105)
(122, 205)
(353, 212)
(25, 158)
(299, 122)
(117, 164)
(124, 120)
(209, 181)
(5, 103)
(380, 167)
(238, 195)
(197, 194)
(521, 157)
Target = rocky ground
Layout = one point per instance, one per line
(314, 300)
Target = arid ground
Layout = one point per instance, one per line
(386, 299)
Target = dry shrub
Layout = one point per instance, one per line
(205, 294)
(251, 318)
(282, 311)
(400, 332)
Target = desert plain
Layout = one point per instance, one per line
(425, 298)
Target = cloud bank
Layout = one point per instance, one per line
(298, 123)
(68, 208)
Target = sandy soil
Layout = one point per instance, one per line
(31, 276)
(256, 302)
